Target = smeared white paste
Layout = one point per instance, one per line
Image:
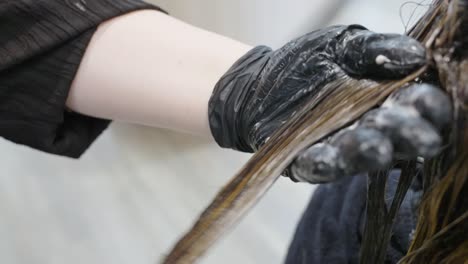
(381, 59)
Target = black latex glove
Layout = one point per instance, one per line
(264, 88)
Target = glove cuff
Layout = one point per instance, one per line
(232, 92)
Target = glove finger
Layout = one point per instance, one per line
(317, 164)
(348, 152)
(411, 135)
(382, 56)
(362, 149)
(431, 103)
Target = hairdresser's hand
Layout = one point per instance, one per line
(406, 126)
(264, 88)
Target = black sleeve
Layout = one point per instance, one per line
(41, 46)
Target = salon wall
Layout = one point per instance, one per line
(274, 22)
(255, 22)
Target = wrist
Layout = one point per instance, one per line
(227, 111)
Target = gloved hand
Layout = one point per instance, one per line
(264, 88)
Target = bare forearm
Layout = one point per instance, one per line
(151, 69)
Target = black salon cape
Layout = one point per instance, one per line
(41, 46)
(332, 227)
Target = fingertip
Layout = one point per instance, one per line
(317, 164)
(363, 149)
(431, 102)
(410, 134)
(383, 56)
(395, 56)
